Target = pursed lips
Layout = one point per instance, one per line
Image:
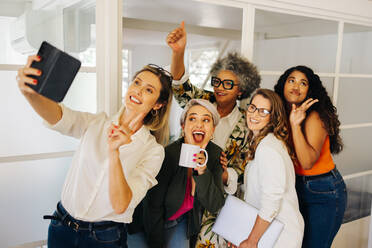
(295, 92)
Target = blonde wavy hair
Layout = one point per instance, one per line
(158, 121)
(278, 124)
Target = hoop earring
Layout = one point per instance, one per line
(154, 112)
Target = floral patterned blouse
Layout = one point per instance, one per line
(234, 149)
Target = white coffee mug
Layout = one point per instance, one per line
(187, 156)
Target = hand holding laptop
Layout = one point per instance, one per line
(236, 220)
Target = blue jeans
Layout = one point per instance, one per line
(322, 201)
(176, 233)
(104, 234)
(137, 240)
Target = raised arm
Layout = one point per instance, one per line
(308, 141)
(47, 109)
(120, 193)
(177, 41)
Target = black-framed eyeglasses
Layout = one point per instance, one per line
(251, 108)
(227, 84)
(162, 71)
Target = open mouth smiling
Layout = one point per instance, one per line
(134, 100)
(198, 136)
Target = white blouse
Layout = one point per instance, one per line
(85, 193)
(269, 182)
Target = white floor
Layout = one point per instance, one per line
(353, 234)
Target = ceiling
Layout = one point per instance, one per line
(148, 21)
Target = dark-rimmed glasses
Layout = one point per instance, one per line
(227, 84)
(162, 71)
(251, 108)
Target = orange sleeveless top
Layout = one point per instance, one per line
(323, 165)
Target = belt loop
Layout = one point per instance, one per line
(334, 172)
(303, 179)
(61, 210)
(90, 227)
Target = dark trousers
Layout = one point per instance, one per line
(322, 201)
(67, 232)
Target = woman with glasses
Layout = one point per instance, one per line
(315, 135)
(233, 78)
(269, 182)
(115, 164)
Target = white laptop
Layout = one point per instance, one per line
(235, 222)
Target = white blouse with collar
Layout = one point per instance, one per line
(85, 193)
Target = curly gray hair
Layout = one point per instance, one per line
(246, 72)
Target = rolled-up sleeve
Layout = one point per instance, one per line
(179, 82)
(73, 123)
(143, 176)
(272, 179)
(232, 181)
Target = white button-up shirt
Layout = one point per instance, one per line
(225, 126)
(85, 194)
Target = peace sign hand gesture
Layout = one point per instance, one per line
(298, 114)
(121, 135)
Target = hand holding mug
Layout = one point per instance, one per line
(192, 156)
(200, 158)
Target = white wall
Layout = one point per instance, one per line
(148, 54)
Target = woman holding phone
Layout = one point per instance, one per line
(115, 164)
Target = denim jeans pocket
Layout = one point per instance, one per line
(321, 186)
(108, 235)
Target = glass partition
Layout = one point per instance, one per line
(353, 102)
(356, 156)
(359, 196)
(9, 54)
(283, 41)
(356, 49)
(22, 128)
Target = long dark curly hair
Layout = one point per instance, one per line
(325, 108)
(278, 124)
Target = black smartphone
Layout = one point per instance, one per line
(58, 72)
